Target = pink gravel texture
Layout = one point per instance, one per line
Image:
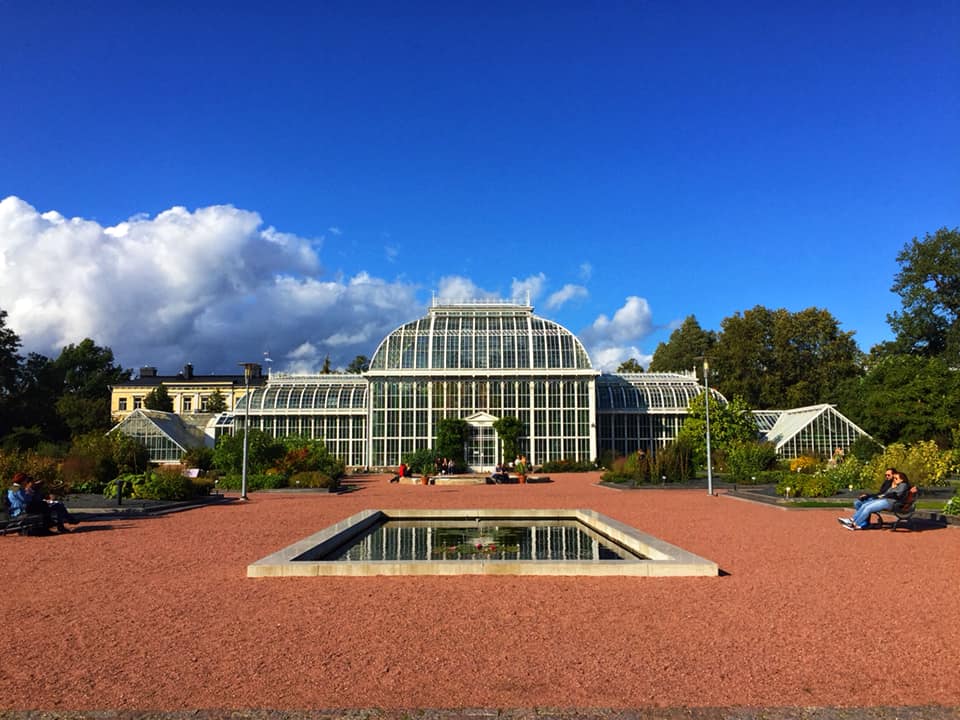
(157, 613)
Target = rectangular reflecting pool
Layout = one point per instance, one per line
(484, 541)
(488, 539)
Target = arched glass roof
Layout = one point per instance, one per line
(481, 336)
(307, 393)
(649, 392)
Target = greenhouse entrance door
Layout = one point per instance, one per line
(481, 450)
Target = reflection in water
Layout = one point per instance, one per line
(486, 540)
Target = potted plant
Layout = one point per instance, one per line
(521, 469)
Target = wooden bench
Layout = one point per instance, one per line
(23, 524)
(903, 514)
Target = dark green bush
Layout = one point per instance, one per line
(313, 479)
(421, 462)
(260, 481)
(164, 483)
(809, 486)
(674, 462)
(567, 466)
(864, 448)
(746, 458)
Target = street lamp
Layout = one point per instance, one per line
(248, 369)
(706, 383)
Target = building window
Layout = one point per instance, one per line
(204, 400)
(122, 404)
(187, 403)
(137, 402)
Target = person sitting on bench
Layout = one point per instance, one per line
(53, 511)
(887, 500)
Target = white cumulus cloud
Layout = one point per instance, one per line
(610, 341)
(211, 286)
(565, 294)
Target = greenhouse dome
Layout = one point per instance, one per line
(480, 336)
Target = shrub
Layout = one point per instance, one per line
(674, 462)
(810, 486)
(804, 464)
(164, 483)
(422, 461)
(864, 449)
(747, 458)
(257, 481)
(40, 467)
(313, 479)
(848, 474)
(923, 462)
(126, 482)
(198, 457)
(953, 504)
(565, 466)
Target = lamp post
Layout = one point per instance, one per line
(706, 383)
(248, 368)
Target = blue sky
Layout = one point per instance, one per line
(204, 182)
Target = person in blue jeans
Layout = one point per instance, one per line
(895, 495)
(887, 482)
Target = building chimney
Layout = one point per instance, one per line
(188, 371)
(148, 371)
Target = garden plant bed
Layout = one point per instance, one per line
(156, 613)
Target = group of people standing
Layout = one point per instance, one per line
(25, 496)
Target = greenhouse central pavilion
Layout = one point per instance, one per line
(478, 362)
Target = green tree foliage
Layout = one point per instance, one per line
(681, 351)
(781, 359)
(216, 402)
(452, 434)
(326, 369)
(510, 429)
(263, 451)
(198, 457)
(630, 366)
(905, 398)
(85, 373)
(929, 288)
(359, 364)
(158, 399)
(301, 454)
(729, 423)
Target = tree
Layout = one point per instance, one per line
(216, 402)
(509, 429)
(360, 364)
(262, 452)
(85, 374)
(905, 398)
(781, 359)
(9, 375)
(630, 366)
(158, 399)
(682, 351)
(929, 287)
(326, 369)
(452, 436)
(729, 423)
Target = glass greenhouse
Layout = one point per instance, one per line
(479, 362)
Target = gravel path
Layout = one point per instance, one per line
(156, 614)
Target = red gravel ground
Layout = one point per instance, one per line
(158, 614)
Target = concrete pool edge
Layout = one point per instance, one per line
(662, 558)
